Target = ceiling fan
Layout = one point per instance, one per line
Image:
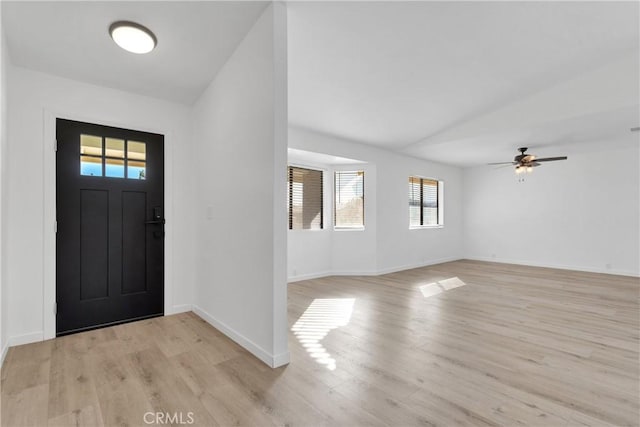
(526, 162)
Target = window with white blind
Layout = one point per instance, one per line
(305, 199)
(349, 199)
(424, 202)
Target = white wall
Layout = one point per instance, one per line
(239, 127)
(310, 251)
(35, 99)
(354, 251)
(387, 244)
(579, 214)
(318, 253)
(4, 65)
(240, 122)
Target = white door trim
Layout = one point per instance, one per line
(49, 215)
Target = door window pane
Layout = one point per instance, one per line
(114, 168)
(136, 170)
(90, 166)
(91, 145)
(136, 150)
(114, 148)
(120, 158)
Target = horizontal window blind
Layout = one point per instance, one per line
(415, 212)
(429, 202)
(305, 199)
(349, 199)
(423, 201)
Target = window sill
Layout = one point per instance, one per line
(348, 228)
(423, 227)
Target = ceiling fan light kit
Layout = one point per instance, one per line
(524, 169)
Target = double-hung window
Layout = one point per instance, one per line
(424, 202)
(305, 199)
(349, 200)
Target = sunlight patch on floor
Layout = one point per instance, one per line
(322, 316)
(435, 288)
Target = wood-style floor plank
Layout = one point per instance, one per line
(460, 343)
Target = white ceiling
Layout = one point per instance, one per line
(310, 158)
(459, 82)
(71, 39)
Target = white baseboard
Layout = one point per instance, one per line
(181, 308)
(370, 272)
(281, 359)
(449, 259)
(308, 276)
(353, 273)
(553, 265)
(25, 339)
(331, 273)
(271, 360)
(417, 265)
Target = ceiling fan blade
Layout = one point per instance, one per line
(503, 163)
(502, 166)
(551, 159)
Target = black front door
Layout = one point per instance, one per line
(110, 225)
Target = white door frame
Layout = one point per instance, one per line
(49, 216)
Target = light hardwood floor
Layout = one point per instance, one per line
(502, 345)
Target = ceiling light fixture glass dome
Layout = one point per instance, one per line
(133, 37)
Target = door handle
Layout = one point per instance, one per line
(157, 220)
(160, 222)
(157, 234)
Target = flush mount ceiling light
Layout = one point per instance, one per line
(133, 37)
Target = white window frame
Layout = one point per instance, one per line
(326, 195)
(335, 196)
(440, 223)
(324, 172)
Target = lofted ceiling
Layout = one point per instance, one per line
(303, 157)
(71, 39)
(465, 83)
